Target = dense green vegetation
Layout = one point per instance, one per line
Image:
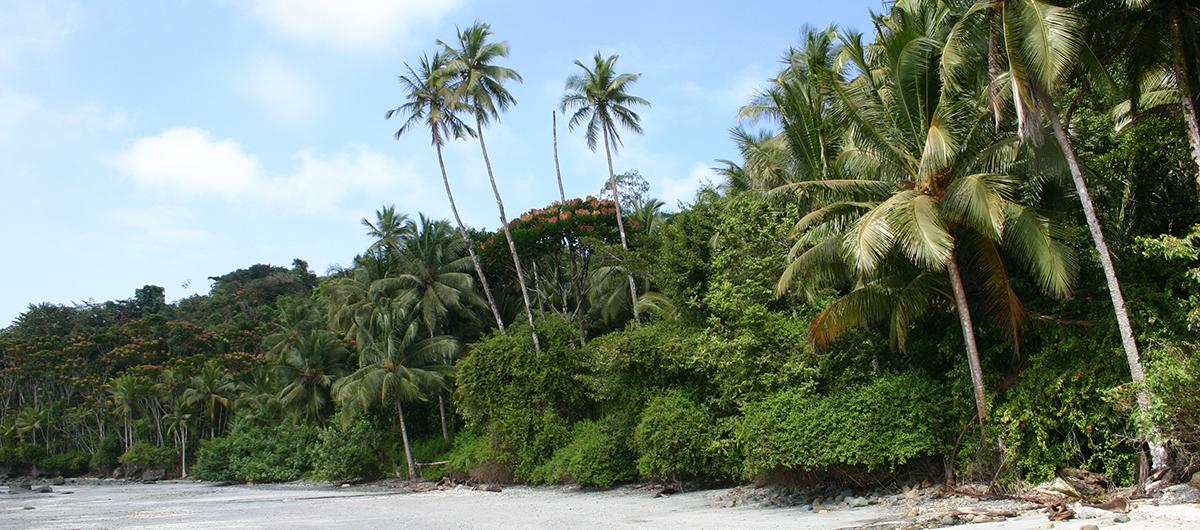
(966, 243)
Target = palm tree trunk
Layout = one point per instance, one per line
(512, 247)
(562, 196)
(612, 182)
(1187, 93)
(462, 230)
(1158, 452)
(183, 453)
(968, 331)
(994, 68)
(408, 455)
(442, 415)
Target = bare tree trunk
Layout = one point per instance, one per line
(612, 182)
(512, 247)
(562, 196)
(1187, 93)
(1158, 452)
(462, 230)
(968, 331)
(408, 455)
(442, 414)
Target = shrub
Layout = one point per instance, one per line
(257, 454)
(597, 455)
(107, 455)
(355, 451)
(470, 450)
(675, 438)
(887, 422)
(69, 463)
(431, 450)
(148, 455)
(1173, 378)
(21, 455)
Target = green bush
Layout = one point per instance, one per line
(597, 455)
(21, 455)
(431, 450)
(887, 422)
(1173, 379)
(355, 451)
(675, 438)
(69, 463)
(107, 456)
(148, 455)
(257, 454)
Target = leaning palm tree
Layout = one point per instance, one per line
(481, 90)
(925, 199)
(1043, 44)
(599, 97)
(431, 103)
(396, 367)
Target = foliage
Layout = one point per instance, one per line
(597, 455)
(68, 463)
(1172, 378)
(148, 455)
(884, 423)
(356, 450)
(257, 454)
(675, 438)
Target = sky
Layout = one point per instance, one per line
(150, 142)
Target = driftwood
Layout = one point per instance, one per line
(431, 464)
(984, 511)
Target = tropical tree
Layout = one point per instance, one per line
(125, 392)
(396, 366)
(1043, 44)
(389, 228)
(214, 388)
(480, 89)
(177, 420)
(432, 103)
(309, 370)
(600, 98)
(926, 196)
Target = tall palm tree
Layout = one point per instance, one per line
(178, 419)
(125, 391)
(1043, 44)
(431, 103)
(481, 90)
(309, 370)
(925, 198)
(396, 367)
(389, 228)
(599, 96)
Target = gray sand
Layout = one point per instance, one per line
(201, 505)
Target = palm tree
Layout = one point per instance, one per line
(177, 421)
(214, 388)
(396, 367)
(1043, 44)
(599, 96)
(125, 392)
(431, 103)
(389, 228)
(310, 369)
(926, 197)
(481, 89)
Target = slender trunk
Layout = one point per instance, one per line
(512, 247)
(537, 288)
(408, 456)
(612, 182)
(968, 331)
(1187, 93)
(442, 415)
(183, 453)
(1158, 453)
(562, 196)
(462, 230)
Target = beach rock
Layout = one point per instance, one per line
(1059, 486)
(1180, 494)
(1089, 527)
(1121, 518)
(1195, 482)
(857, 502)
(58, 481)
(154, 474)
(949, 520)
(1088, 512)
(44, 488)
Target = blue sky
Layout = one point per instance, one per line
(148, 142)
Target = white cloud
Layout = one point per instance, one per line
(280, 88)
(349, 24)
(189, 161)
(26, 116)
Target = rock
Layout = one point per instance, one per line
(1059, 486)
(29, 507)
(912, 492)
(1180, 494)
(857, 502)
(1195, 482)
(19, 487)
(1087, 512)
(1089, 527)
(346, 485)
(58, 481)
(914, 512)
(494, 488)
(154, 474)
(44, 488)
(949, 520)
(1121, 518)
